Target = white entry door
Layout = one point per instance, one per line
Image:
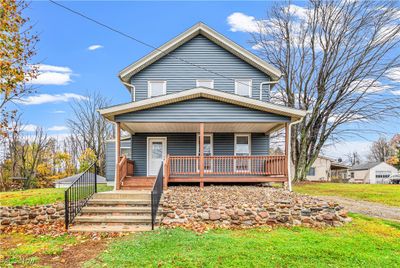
(156, 152)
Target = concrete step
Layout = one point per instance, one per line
(116, 202)
(139, 219)
(106, 228)
(127, 195)
(116, 210)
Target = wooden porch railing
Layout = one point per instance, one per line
(125, 168)
(227, 165)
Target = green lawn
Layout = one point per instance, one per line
(365, 242)
(25, 250)
(388, 194)
(37, 196)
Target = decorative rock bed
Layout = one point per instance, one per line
(20, 215)
(247, 206)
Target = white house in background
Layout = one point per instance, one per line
(376, 172)
(327, 169)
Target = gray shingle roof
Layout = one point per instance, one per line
(365, 166)
(71, 179)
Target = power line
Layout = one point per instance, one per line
(139, 41)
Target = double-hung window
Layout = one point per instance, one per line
(205, 83)
(243, 87)
(156, 88)
(242, 148)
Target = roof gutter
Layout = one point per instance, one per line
(132, 90)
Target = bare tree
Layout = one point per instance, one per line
(353, 158)
(335, 57)
(380, 150)
(88, 128)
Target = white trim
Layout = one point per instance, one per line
(205, 80)
(188, 94)
(250, 86)
(211, 135)
(211, 34)
(164, 140)
(149, 93)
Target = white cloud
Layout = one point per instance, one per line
(396, 92)
(393, 74)
(47, 98)
(29, 128)
(368, 85)
(94, 47)
(58, 128)
(240, 22)
(340, 149)
(59, 112)
(52, 75)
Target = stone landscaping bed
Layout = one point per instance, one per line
(247, 206)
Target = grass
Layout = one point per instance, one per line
(387, 194)
(24, 249)
(365, 242)
(37, 196)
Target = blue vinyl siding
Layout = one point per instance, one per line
(205, 53)
(110, 157)
(201, 110)
(185, 144)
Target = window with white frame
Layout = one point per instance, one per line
(126, 151)
(243, 87)
(156, 88)
(380, 174)
(208, 149)
(242, 148)
(205, 83)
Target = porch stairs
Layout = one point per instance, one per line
(115, 211)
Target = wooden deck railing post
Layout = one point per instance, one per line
(287, 158)
(117, 155)
(166, 172)
(201, 154)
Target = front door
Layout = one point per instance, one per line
(156, 152)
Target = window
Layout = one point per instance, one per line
(243, 87)
(352, 175)
(242, 148)
(311, 172)
(382, 174)
(156, 88)
(208, 149)
(205, 83)
(208, 144)
(126, 151)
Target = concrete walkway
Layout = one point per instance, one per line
(367, 208)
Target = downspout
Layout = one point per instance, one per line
(133, 90)
(290, 149)
(269, 90)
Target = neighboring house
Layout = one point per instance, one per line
(66, 182)
(327, 169)
(200, 105)
(375, 172)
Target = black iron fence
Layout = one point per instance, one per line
(156, 194)
(79, 193)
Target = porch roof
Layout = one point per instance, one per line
(111, 112)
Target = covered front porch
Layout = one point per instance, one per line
(200, 153)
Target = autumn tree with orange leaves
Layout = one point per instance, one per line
(17, 47)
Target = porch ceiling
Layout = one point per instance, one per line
(194, 127)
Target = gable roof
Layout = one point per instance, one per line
(211, 34)
(198, 92)
(365, 166)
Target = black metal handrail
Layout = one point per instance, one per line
(79, 193)
(156, 194)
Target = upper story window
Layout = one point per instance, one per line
(156, 88)
(205, 83)
(243, 87)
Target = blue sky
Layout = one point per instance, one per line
(71, 70)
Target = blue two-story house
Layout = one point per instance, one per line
(199, 112)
